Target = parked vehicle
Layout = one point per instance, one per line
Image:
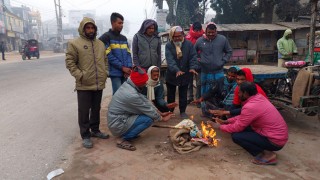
(30, 49)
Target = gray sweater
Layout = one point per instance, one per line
(125, 106)
(213, 53)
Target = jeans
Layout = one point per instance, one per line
(253, 142)
(140, 124)
(89, 112)
(116, 83)
(183, 93)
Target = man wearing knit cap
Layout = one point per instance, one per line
(130, 112)
(182, 62)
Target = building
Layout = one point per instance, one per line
(24, 13)
(3, 32)
(14, 26)
(36, 26)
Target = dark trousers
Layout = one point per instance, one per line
(89, 103)
(253, 142)
(3, 58)
(183, 93)
(198, 87)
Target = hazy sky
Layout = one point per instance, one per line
(133, 10)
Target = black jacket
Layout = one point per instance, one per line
(187, 62)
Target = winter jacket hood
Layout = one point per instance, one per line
(248, 73)
(85, 21)
(194, 35)
(286, 46)
(146, 23)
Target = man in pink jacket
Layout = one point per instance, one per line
(259, 129)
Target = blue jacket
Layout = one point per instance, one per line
(117, 51)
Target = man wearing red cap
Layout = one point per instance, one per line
(130, 112)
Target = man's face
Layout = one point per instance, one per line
(243, 96)
(240, 79)
(289, 36)
(231, 76)
(155, 75)
(211, 34)
(89, 30)
(117, 25)
(150, 30)
(177, 37)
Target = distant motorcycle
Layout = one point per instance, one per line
(31, 49)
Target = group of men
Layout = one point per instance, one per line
(138, 94)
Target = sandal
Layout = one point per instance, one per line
(126, 145)
(261, 161)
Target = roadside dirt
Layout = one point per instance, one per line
(155, 157)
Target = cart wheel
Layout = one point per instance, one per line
(38, 56)
(23, 57)
(29, 57)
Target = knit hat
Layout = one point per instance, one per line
(138, 76)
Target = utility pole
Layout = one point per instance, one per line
(314, 12)
(59, 22)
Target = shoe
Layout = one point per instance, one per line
(183, 115)
(100, 135)
(87, 143)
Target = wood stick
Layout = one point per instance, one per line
(166, 126)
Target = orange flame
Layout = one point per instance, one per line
(209, 134)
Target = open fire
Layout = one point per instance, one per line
(208, 134)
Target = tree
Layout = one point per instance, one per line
(187, 12)
(288, 10)
(235, 11)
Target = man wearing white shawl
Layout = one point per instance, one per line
(155, 92)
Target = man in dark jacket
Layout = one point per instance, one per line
(221, 94)
(2, 49)
(146, 45)
(182, 61)
(117, 51)
(85, 59)
(215, 51)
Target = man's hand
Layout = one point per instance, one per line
(218, 112)
(126, 70)
(197, 101)
(193, 71)
(172, 105)
(179, 73)
(126, 75)
(218, 120)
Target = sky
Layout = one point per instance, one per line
(134, 11)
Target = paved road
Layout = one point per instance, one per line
(38, 117)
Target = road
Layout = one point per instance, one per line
(38, 116)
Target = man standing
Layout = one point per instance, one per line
(195, 33)
(85, 59)
(182, 61)
(2, 49)
(146, 45)
(215, 51)
(259, 129)
(117, 51)
(286, 48)
(130, 112)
